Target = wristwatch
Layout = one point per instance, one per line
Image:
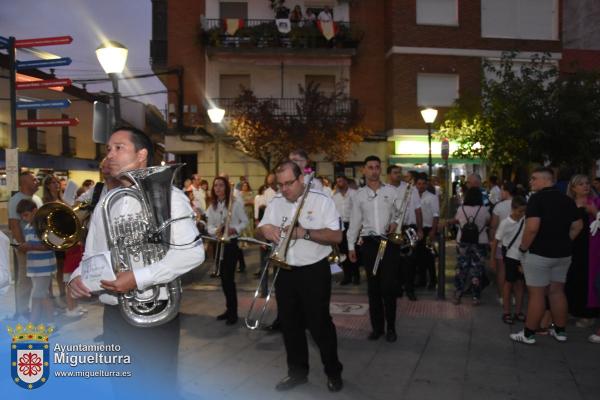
(521, 250)
(306, 235)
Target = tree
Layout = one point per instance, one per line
(529, 114)
(319, 123)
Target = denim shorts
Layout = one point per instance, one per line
(540, 271)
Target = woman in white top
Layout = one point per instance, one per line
(471, 245)
(216, 215)
(500, 212)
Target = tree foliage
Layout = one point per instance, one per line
(529, 114)
(319, 123)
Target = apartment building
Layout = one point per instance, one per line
(396, 57)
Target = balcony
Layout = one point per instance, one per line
(289, 107)
(262, 35)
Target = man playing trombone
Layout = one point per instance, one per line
(306, 224)
(373, 216)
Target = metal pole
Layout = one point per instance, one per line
(12, 66)
(116, 99)
(430, 163)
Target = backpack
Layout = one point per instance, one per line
(470, 230)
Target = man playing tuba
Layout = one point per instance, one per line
(153, 350)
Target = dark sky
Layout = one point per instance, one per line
(88, 22)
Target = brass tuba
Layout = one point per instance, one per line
(59, 226)
(142, 238)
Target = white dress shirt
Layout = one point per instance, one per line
(318, 212)
(343, 203)
(372, 212)
(269, 194)
(430, 208)
(259, 201)
(495, 194)
(414, 203)
(215, 217)
(178, 259)
(199, 198)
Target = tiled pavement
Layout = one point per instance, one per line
(443, 351)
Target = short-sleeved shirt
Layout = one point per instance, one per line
(39, 262)
(557, 212)
(14, 202)
(502, 209)
(507, 230)
(430, 207)
(318, 212)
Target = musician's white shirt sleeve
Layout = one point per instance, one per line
(239, 219)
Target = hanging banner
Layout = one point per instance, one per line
(328, 28)
(232, 25)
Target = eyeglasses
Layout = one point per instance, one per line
(286, 184)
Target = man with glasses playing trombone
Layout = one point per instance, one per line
(304, 291)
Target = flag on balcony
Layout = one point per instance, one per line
(232, 25)
(328, 28)
(283, 25)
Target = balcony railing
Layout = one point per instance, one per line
(263, 33)
(289, 107)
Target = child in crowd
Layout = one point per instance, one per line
(509, 234)
(41, 264)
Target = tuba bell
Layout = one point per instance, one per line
(142, 238)
(59, 226)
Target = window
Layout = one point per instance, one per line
(326, 82)
(233, 10)
(437, 89)
(520, 19)
(230, 86)
(437, 12)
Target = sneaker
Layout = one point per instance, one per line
(476, 301)
(74, 313)
(584, 322)
(559, 336)
(81, 309)
(521, 338)
(594, 339)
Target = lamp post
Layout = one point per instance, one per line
(216, 115)
(429, 115)
(112, 57)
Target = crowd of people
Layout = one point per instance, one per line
(542, 245)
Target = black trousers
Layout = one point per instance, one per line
(230, 258)
(351, 271)
(153, 352)
(382, 288)
(425, 261)
(303, 296)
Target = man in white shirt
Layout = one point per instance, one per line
(154, 350)
(304, 291)
(413, 219)
(495, 192)
(430, 209)
(374, 214)
(343, 203)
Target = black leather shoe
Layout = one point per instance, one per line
(222, 317)
(411, 296)
(335, 384)
(374, 335)
(231, 320)
(345, 282)
(391, 336)
(290, 382)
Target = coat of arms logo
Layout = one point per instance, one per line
(30, 355)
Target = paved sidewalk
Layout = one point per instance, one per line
(443, 351)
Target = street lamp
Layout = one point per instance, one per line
(112, 57)
(216, 115)
(429, 115)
